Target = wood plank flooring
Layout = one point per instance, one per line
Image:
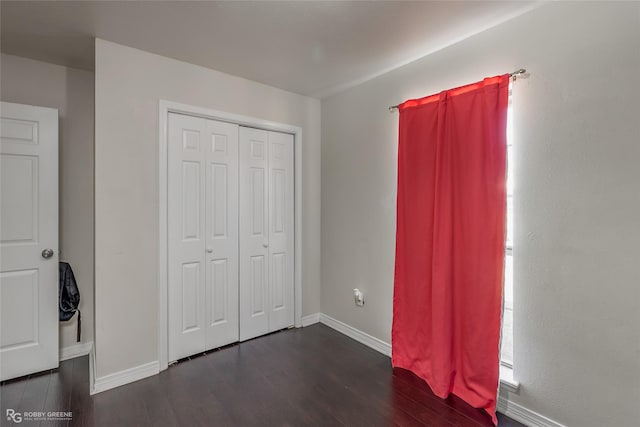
(313, 376)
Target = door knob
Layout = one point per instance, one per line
(265, 244)
(47, 253)
(209, 249)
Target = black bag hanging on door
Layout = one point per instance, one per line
(69, 296)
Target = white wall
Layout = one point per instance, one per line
(26, 81)
(577, 203)
(129, 83)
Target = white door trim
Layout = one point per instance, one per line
(166, 107)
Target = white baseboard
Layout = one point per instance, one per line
(76, 350)
(125, 377)
(92, 370)
(524, 415)
(356, 334)
(310, 319)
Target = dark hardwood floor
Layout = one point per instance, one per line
(299, 377)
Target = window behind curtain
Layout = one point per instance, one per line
(506, 351)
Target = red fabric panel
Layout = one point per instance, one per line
(450, 240)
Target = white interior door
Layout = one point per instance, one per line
(266, 232)
(203, 234)
(28, 239)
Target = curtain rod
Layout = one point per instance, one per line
(514, 75)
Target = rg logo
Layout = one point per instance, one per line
(14, 416)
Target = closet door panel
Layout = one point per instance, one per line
(281, 230)
(186, 235)
(254, 236)
(221, 255)
(203, 234)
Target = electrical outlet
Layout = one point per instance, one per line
(358, 297)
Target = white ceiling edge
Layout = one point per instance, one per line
(346, 86)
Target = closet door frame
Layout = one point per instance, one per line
(166, 107)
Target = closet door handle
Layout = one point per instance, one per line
(209, 249)
(265, 244)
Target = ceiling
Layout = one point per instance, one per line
(313, 48)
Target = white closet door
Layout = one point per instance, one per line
(266, 232)
(254, 235)
(202, 247)
(222, 234)
(280, 230)
(186, 254)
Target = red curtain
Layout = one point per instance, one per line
(450, 240)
